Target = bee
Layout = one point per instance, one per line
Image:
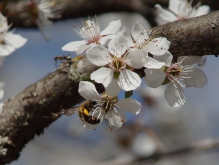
(62, 59)
(84, 112)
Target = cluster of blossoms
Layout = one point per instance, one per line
(118, 54)
(8, 40)
(8, 43)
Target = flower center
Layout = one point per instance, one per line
(108, 103)
(89, 31)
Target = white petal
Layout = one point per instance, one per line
(82, 48)
(202, 10)
(106, 38)
(89, 126)
(129, 80)
(165, 14)
(88, 91)
(112, 28)
(166, 58)
(73, 46)
(113, 88)
(6, 50)
(154, 77)
(115, 118)
(102, 75)
(154, 64)
(118, 45)
(158, 46)
(136, 58)
(198, 79)
(4, 23)
(174, 6)
(174, 96)
(130, 105)
(189, 60)
(138, 31)
(98, 55)
(14, 40)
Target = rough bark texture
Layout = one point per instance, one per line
(29, 112)
(195, 36)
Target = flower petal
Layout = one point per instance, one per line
(6, 50)
(165, 14)
(102, 75)
(4, 23)
(118, 45)
(202, 10)
(158, 46)
(98, 55)
(112, 28)
(89, 126)
(73, 46)
(154, 77)
(189, 60)
(129, 105)
(88, 91)
(115, 118)
(174, 6)
(174, 95)
(198, 79)
(106, 38)
(83, 48)
(166, 58)
(136, 58)
(14, 40)
(154, 64)
(129, 80)
(138, 32)
(113, 88)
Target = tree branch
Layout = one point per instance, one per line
(29, 112)
(196, 36)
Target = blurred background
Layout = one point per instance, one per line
(158, 127)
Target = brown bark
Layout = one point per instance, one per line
(32, 110)
(196, 36)
(29, 112)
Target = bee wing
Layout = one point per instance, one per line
(70, 111)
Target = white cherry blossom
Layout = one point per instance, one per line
(180, 74)
(90, 32)
(107, 105)
(42, 12)
(47, 9)
(141, 43)
(180, 9)
(116, 64)
(8, 41)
